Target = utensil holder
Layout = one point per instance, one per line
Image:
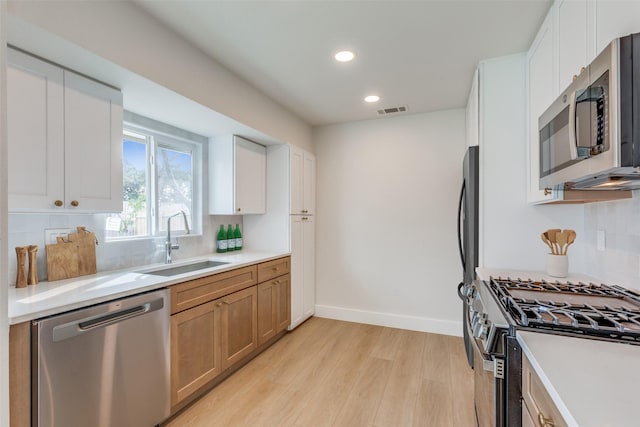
(557, 265)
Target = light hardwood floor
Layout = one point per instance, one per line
(333, 373)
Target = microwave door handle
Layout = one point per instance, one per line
(573, 139)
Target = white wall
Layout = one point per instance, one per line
(619, 262)
(4, 325)
(510, 228)
(123, 34)
(386, 245)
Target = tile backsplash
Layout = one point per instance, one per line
(619, 221)
(29, 229)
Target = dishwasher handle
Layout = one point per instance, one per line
(88, 324)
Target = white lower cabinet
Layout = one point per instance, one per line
(303, 292)
(65, 138)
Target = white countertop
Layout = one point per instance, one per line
(47, 298)
(593, 383)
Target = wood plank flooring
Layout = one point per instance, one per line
(333, 373)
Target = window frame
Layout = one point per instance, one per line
(155, 139)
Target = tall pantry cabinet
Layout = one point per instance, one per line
(302, 208)
(288, 224)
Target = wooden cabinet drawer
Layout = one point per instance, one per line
(270, 269)
(537, 400)
(199, 291)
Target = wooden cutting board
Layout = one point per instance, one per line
(72, 258)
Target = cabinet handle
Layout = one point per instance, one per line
(58, 203)
(226, 302)
(75, 203)
(275, 269)
(575, 76)
(237, 209)
(219, 304)
(276, 282)
(544, 421)
(304, 218)
(547, 191)
(582, 69)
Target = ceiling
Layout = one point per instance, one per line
(421, 54)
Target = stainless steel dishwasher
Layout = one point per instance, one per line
(105, 365)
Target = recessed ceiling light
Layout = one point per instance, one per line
(344, 56)
(372, 98)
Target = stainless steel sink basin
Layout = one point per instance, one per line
(172, 271)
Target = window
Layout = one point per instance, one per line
(161, 177)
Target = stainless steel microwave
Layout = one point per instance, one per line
(590, 136)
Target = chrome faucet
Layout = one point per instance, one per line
(168, 247)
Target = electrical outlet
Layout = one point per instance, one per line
(51, 234)
(601, 243)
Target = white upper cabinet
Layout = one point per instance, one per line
(565, 43)
(93, 144)
(541, 91)
(615, 19)
(473, 113)
(237, 181)
(65, 139)
(576, 41)
(303, 181)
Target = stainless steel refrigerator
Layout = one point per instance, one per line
(468, 235)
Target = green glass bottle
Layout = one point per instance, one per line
(231, 241)
(221, 240)
(238, 235)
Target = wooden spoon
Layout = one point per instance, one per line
(561, 240)
(545, 239)
(552, 238)
(570, 239)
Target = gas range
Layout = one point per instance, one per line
(578, 309)
(500, 307)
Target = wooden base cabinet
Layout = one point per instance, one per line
(209, 338)
(274, 308)
(239, 325)
(538, 408)
(195, 349)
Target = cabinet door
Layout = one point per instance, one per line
(93, 145)
(573, 39)
(250, 177)
(35, 117)
(541, 91)
(473, 113)
(297, 165)
(267, 300)
(309, 184)
(302, 269)
(239, 325)
(615, 19)
(308, 268)
(283, 303)
(303, 181)
(195, 349)
(297, 272)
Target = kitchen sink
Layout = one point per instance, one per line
(172, 271)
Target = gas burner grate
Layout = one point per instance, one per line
(608, 312)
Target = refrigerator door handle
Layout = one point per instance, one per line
(460, 202)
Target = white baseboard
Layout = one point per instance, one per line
(414, 323)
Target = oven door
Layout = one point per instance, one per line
(489, 384)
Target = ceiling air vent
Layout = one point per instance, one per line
(393, 110)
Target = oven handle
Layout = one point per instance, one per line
(573, 138)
